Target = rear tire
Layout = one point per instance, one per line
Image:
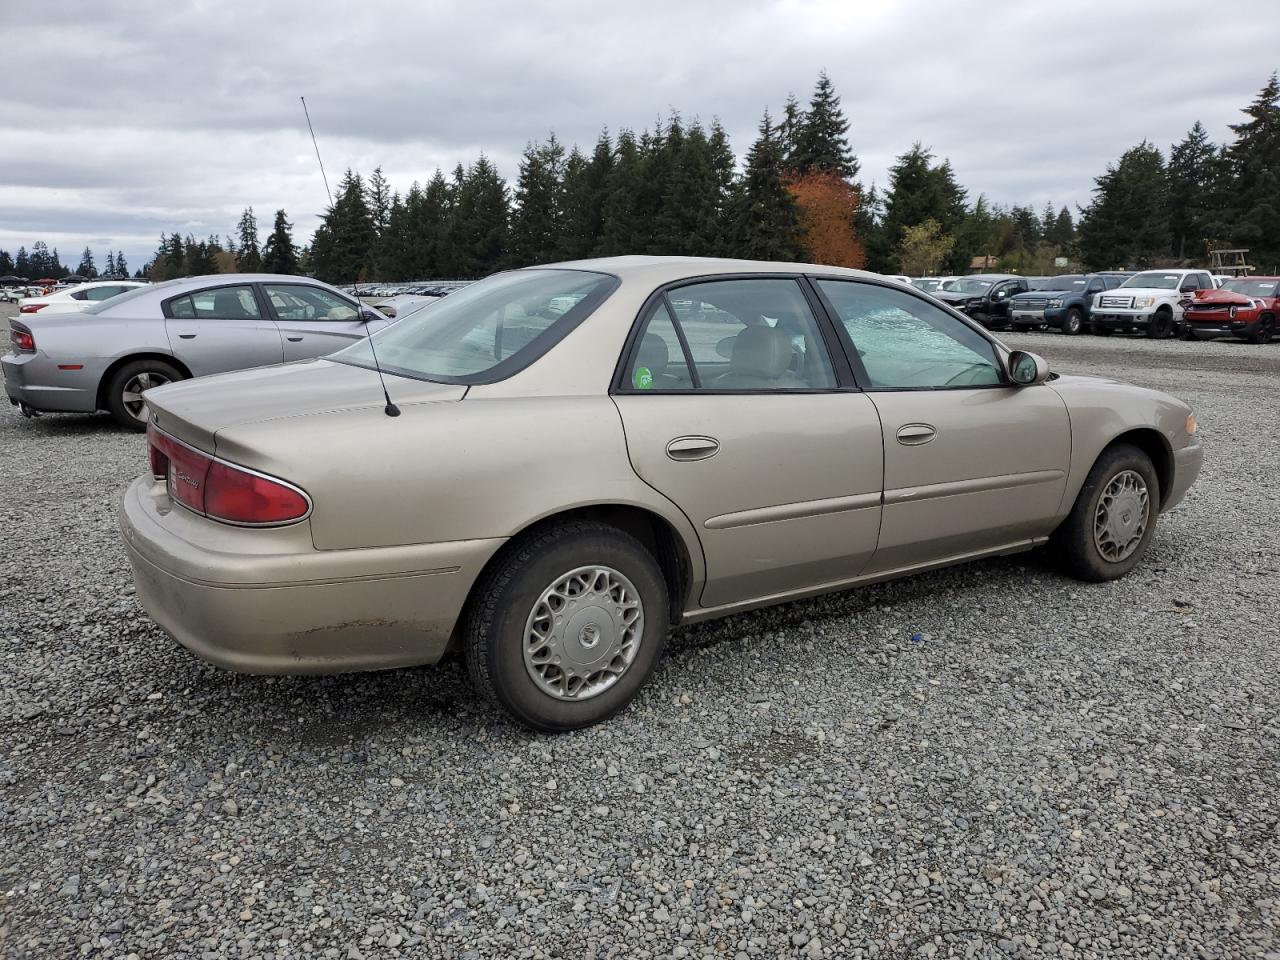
(1114, 517)
(1073, 322)
(124, 390)
(546, 672)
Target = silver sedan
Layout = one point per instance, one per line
(104, 357)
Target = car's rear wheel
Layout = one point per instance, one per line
(567, 625)
(1263, 332)
(1114, 517)
(124, 390)
(1073, 322)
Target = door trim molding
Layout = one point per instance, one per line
(793, 511)
(953, 488)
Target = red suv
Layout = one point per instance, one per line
(1244, 307)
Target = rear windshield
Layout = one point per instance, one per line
(110, 304)
(486, 331)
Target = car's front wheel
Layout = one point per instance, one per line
(1160, 325)
(1265, 329)
(1073, 322)
(567, 625)
(125, 388)
(1114, 517)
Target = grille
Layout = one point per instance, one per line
(1117, 302)
(1030, 304)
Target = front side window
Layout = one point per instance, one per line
(296, 301)
(906, 343)
(754, 333)
(488, 330)
(219, 303)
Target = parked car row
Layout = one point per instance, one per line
(1190, 303)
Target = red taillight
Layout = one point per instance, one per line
(22, 339)
(32, 307)
(219, 490)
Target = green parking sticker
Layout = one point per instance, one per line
(642, 378)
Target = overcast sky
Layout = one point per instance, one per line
(123, 120)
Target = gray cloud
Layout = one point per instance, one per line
(123, 120)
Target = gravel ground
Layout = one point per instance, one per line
(1056, 769)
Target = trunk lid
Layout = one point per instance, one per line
(196, 410)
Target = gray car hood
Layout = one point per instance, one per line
(195, 410)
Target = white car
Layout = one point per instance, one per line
(74, 299)
(1149, 302)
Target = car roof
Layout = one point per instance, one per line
(218, 279)
(665, 269)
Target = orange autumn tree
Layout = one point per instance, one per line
(826, 203)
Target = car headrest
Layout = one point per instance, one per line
(226, 303)
(761, 351)
(653, 354)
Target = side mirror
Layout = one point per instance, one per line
(1027, 369)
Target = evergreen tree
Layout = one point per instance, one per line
(765, 220)
(536, 218)
(110, 271)
(821, 135)
(1063, 232)
(1254, 167)
(429, 220)
(691, 219)
(792, 119)
(868, 226)
(41, 262)
(1026, 227)
(1191, 175)
(920, 190)
(7, 267)
(22, 264)
(341, 247)
(87, 269)
(279, 254)
(1127, 223)
(379, 200)
(586, 185)
(200, 258)
(479, 221)
(122, 265)
(619, 233)
(248, 253)
(56, 269)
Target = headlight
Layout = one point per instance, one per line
(1143, 301)
(1191, 424)
(1055, 303)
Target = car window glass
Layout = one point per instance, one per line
(905, 342)
(1095, 285)
(294, 301)
(103, 293)
(80, 295)
(752, 334)
(182, 309)
(226, 303)
(658, 361)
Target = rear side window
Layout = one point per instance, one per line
(658, 360)
(219, 303)
(104, 293)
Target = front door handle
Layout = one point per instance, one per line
(914, 434)
(294, 339)
(692, 448)
(186, 336)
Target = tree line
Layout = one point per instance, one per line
(677, 189)
(42, 263)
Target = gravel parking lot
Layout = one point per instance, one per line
(1056, 769)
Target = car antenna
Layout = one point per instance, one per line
(391, 410)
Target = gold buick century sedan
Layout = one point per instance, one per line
(568, 460)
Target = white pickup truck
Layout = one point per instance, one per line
(1149, 302)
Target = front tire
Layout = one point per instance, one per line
(1113, 519)
(1265, 329)
(567, 625)
(125, 388)
(1073, 322)
(1160, 326)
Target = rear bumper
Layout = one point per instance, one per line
(1186, 468)
(265, 601)
(35, 380)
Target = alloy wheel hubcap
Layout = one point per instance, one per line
(131, 396)
(583, 633)
(1121, 518)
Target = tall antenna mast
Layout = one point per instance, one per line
(323, 175)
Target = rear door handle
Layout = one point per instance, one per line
(692, 448)
(294, 339)
(914, 434)
(186, 336)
